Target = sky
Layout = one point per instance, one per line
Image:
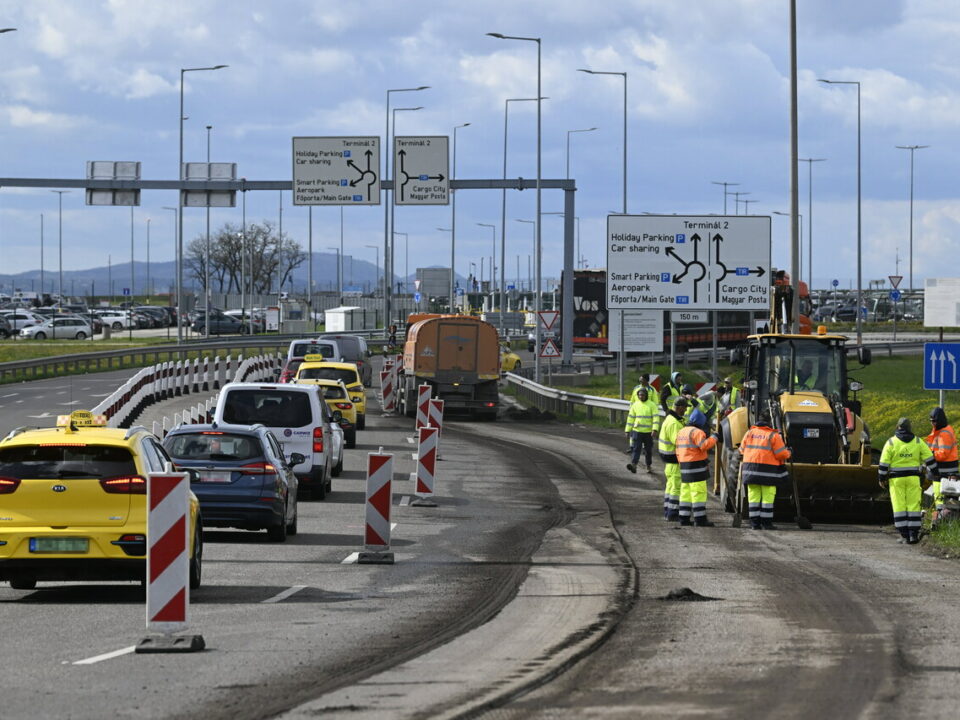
(708, 101)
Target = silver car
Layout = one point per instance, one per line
(60, 328)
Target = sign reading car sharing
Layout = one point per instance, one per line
(706, 262)
(336, 171)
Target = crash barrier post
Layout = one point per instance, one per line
(423, 478)
(387, 395)
(376, 540)
(168, 565)
(423, 406)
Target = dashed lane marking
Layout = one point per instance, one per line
(350, 559)
(106, 656)
(411, 440)
(285, 594)
(405, 500)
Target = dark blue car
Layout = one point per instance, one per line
(240, 476)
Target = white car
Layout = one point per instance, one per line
(59, 328)
(20, 319)
(116, 319)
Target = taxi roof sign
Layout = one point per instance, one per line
(81, 418)
(315, 357)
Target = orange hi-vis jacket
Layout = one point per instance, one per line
(764, 455)
(943, 443)
(693, 445)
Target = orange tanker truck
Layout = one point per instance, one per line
(459, 357)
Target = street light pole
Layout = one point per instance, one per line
(387, 152)
(503, 207)
(725, 193)
(810, 162)
(736, 200)
(406, 257)
(376, 259)
(537, 259)
(60, 234)
(41, 256)
(206, 261)
(911, 148)
(493, 276)
(859, 213)
(337, 251)
(149, 286)
(569, 132)
(183, 71)
(453, 218)
(176, 257)
(388, 263)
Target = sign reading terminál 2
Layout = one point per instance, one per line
(708, 262)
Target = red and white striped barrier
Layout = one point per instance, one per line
(423, 406)
(426, 467)
(376, 537)
(435, 418)
(388, 391)
(168, 563)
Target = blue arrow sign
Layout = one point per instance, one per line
(416, 297)
(940, 366)
(835, 283)
(895, 295)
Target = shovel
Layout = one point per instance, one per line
(801, 521)
(737, 515)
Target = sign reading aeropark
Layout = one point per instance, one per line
(421, 170)
(706, 262)
(336, 171)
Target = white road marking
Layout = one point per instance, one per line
(72, 402)
(9, 395)
(350, 559)
(414, 456)
(285, 594)
(106, 656)
(100, 394)
(405, 500)
(41, 417)
(393, 526)
(411, 440)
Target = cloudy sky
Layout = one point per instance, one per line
(708, 101)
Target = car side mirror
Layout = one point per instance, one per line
(864, 356)
(337, 416)
(193, 473)
(736, 356)
(297, 458)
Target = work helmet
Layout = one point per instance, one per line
(698, 418)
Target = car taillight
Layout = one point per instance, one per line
(285, 376)
(124, 485)
(258, 468)
(489, 404)
(343, 405)
(8, 485)
(318, 439)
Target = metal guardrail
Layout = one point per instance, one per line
(106, 360)
(563, 402)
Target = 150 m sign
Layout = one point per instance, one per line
(694, 262)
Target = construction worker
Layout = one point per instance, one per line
(670, 391)
(643, 384)
(902, 461)
(667, 449)
(729, 396)
(806, 378)
(708, 405)
(693, 448)
(943, 443)
(643, 422)
(762, 469)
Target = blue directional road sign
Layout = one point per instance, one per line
(126, 292)
(416, 297)
(940, 370)
(895, 295)
(459, 292)
(835, 283)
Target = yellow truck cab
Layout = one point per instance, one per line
(73, 502)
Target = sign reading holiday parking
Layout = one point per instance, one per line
(336, 171)
(940, 366)
(708, 262)
(421, 170)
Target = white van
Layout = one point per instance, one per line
(295, 415)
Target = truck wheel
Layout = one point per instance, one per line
(728, 488)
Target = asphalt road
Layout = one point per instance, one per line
(538, 588)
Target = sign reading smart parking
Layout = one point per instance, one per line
(336, 171)
(671, 262)
(940, 366)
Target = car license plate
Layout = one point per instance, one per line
(216, 476)
(59, 545)
(811, 432)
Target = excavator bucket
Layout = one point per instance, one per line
(834, 493)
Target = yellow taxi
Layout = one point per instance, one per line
(316, 367)
(73, 503)
(337, 397)
(509, 360)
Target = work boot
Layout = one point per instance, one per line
(768, 525)
(685, 522)
(649, 469)
(703, 522)
(914, 537)
(632, 468)
(628, 451)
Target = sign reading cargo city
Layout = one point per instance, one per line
(670, 262)
(336, 171)
(421, 170)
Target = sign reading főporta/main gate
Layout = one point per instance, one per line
(672, 262)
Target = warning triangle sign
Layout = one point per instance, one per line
(549, 349)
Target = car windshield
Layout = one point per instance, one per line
(333, 392)
(306, 348)
(348, 375)
(54, 462)
(212, 446)
(273, 408)
(817, 366)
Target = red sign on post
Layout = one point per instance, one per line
(548, 318)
